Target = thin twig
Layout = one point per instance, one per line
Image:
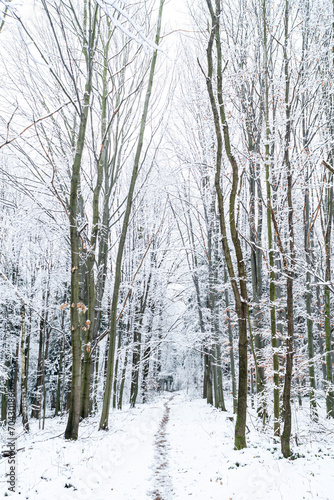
(107, 331)
(53, 170)
(141, 262)
(200, 226)
(33, 124)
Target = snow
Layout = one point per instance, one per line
(175, 447)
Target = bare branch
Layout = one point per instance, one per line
(33, 124)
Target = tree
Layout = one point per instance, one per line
(113, 314)
(238, 282)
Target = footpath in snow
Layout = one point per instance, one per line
(173, 448)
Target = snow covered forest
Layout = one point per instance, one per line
(166, 234)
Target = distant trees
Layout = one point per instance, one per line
(271, 113)
(84, 148)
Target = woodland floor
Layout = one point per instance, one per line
(173, 448)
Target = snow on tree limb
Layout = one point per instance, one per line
(139, 36)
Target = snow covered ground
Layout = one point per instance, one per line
(173, 448)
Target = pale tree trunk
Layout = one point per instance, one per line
(217, 368)
(256, 267)
(272, 286)
(136, 356)
(119, 343)
(46, 354)
(15, 368)
(59, 378)
(121, 389)
(137, 336)
(230, 338)
(147, 354)
(6, 364)
(24, 405)
(308, 237)
(36, 404)
(118, 267)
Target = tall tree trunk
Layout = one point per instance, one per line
(208, 376)
(15, 368)
(146, 358)
(24, 405)
(36, 404)
(240, 292)
(60, 376)
(272, 286)
(45, 361)
(213, 262)
(101, 168)
(121, 390)
(6, 362)
(308, 237)
(118, 268)
(146, 369)
(328, 331)
(114, 402)
(230, 338)
(286, 434)
(256, 267)
(136, 350)
(72, 427)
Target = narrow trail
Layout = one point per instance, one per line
(163, 489)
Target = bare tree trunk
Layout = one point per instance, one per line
(24, 407)
(36, 404)
(272, 285)
(15, 364)
(240, 292)
(114, 402)
(87, 375)
(5, 386)
(230, 337)
(121, 390)
(72, 428)
(328, 331)
(308, 237)
(60, 376)
(286, 434)
(118, 268)
(46, 354)
(136, 351)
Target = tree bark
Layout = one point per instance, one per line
(286, 434)
(72, 428)
(272, 286)
(238, 284)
